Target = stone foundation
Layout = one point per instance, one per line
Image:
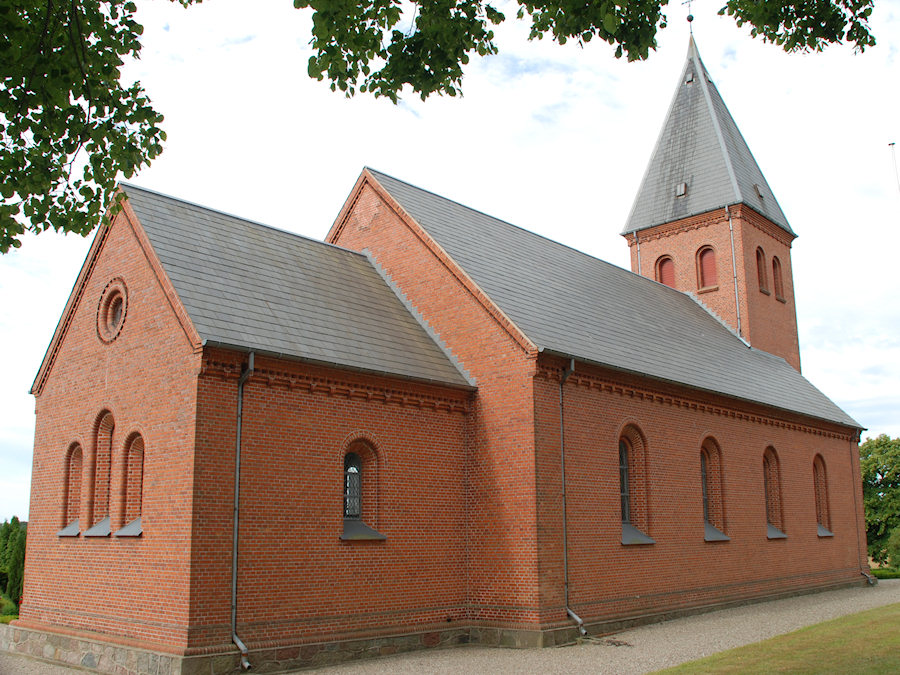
(94, 654)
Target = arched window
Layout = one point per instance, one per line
(772, 488)
(72, 492)
(665, 271)
(633, 496)
(352, 486)
(761, 271)
(624, 493)
(711, 491)
(820, 485)
(102, 462)
(132, 487)
(707, 276)
(361, 493)
(777, 281)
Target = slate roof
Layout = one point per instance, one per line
(701, 146)
(253, 287)
(575, 305)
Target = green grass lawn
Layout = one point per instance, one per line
(864, 643)
(7, 609)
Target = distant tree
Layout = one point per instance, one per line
(12, 557)
(15, 564)
(69, 127)
(5, 529)
(880, 462)
(893, 548)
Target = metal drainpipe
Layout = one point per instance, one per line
(637, 242)
(737, 299)
(245, 664)
(562, 457)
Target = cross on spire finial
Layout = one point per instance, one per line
(690, 16)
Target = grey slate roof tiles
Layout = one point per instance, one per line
(249, 286)
(701, 146)
(569, 303)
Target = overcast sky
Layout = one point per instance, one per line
(553, 139)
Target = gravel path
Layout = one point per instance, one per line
(640, 650)
(646, 649)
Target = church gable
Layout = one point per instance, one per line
(120, 250)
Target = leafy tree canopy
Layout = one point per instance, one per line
(69, 127)
(880, 462)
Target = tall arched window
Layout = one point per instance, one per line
(132, 487)
(665, 271)
(707, 276)
(361, 493)
(761, 271)
(102, 462)
(72, 492)
(633, 497)
(772, 488)
(624, 493)
(777, 281)
(352, 486)
(711, 491)
(820, 485)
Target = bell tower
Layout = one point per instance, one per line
(706, 222)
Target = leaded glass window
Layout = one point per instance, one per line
(624, 495)
(705, 486)
(352, 485)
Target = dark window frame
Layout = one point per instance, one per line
(761, 272)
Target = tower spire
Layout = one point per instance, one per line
(701, 161)
(705, 220)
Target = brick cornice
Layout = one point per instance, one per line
(335, 387)
(677, 227)
(366, 179)
(741, 211)
(765, 225)
(612, 386)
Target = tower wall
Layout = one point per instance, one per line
(766, 319)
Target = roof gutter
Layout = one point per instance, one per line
(562, 460)
(245, 375)
(851, 424)
(334, 364)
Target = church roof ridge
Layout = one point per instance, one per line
(573, 304)
(701, 161)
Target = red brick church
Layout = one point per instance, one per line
(433, 428)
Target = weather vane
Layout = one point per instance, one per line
(690, 16)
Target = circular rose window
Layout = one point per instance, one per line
(112, 309)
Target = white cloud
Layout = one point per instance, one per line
(554, 139)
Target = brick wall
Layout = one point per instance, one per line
(608, 579)
(145, 379)
(297, 581)
(502, 561)
(767, 322)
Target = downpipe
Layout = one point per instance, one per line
(248, 371)
(737, 297)
(562, 458)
